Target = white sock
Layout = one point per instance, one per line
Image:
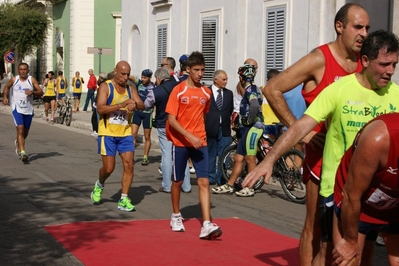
(176, 214)
(123, 196)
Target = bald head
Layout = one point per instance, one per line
(121, 73)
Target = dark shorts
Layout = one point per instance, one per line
(371, 230)
(199, 158)
(48, 99)
(76, 95)
(61, 95)
(326, 206)
(138, 117)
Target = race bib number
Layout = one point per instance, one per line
(22, 99)
(118, 118)
(381, 201)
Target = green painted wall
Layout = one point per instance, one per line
(61, 19)
(104, 32)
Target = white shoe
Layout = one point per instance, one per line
(380, 241)
(210, 231)
(223, 189)
(246, 192)
(16, 148)
(94, 134)
(176, 222)
(192, 170)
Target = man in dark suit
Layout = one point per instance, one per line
(217, 124)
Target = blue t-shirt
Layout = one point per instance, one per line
(142, 91)
(295, 101)
(251, 92)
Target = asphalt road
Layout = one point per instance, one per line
(54, 188)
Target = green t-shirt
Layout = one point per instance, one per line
(347, 107)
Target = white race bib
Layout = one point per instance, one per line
(381, 201)
(118, 118)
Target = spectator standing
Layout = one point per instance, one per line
(183, 67)
(158, 97)
(22, 87)
(117, 100)
(366, 192)
(323, 66)
(144, 85)
(347, 105)
(62, 85)
(251, 129)
(50, 96)
(77, 84)
(94, 116)
(187, 105)
(217, 124)
(91, 89)
(170, 64)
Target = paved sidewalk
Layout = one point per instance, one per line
(82, 120)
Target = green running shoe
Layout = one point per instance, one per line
(125, 205)
(145, 161)
(96, 193)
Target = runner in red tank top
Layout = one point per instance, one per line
(317, 70)
(366, 193)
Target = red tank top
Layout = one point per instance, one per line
(380, 202)
(332, 72)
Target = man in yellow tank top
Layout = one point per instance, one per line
(115, 103)
(62, 86)
(77, 82)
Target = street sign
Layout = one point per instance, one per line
(9, 57)
(99, 50)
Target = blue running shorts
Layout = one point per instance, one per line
(21, 119)
(108, 146)
(199, 158)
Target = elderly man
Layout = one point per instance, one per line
(158, 97)
(115, 103)
(217, 124)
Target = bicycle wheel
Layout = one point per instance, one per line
(226, 163)
(289, 173)
(68, 116)
(62, 114)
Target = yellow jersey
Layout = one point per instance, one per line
(61, 85)
(77, 84)
(115, 124)
(50, 88)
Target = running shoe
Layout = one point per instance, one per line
(380, 241)
(223, 189)
(176, 223)
(145, 161)
(210, 231)
(246, 192)
(24, 157)
(192, 170)
(125, 205)
(96, 193)
(17, 151)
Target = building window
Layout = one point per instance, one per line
(162, 43)
(209, 44)
(275, 37)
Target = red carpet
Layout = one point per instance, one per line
(151, 242)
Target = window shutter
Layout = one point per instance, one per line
(162, 43)
(209, 47)
(275, 34)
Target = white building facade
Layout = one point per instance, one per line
(276, 33)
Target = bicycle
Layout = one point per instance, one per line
(65, 112)
(287, 170)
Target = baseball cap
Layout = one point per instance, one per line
(146, 73)
(103, 75)
(183, 59)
